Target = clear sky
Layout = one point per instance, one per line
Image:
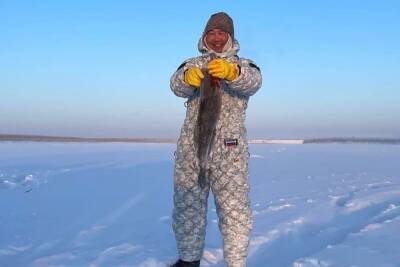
(102, 68)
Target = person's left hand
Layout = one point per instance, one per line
(222, 69)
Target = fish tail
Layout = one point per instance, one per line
(202, 179)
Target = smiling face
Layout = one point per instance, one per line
(216, 39)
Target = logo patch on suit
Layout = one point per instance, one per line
(230, 142)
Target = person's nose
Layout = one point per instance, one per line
(218, 37)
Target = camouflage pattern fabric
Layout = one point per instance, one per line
(228, 178)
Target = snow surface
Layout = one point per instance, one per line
(109, 204)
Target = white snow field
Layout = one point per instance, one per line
(109, 204)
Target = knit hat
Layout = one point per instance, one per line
(222, 21)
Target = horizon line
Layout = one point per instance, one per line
(52, 138)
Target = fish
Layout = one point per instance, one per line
(207, 118)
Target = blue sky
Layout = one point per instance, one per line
(102, 68)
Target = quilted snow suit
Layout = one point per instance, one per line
(228, 177)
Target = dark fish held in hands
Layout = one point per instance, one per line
(209, 110)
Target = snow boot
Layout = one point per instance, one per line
(181, 263)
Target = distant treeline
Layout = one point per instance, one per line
(353, 140)
(43, 138)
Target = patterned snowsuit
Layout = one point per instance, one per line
(228, 178)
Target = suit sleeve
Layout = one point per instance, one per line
(178, 85)
(249, 80)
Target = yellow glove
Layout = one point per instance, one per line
(193, 77)
(222, 69)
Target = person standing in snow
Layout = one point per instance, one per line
(238, 79)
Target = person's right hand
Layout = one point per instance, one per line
(193, 77)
